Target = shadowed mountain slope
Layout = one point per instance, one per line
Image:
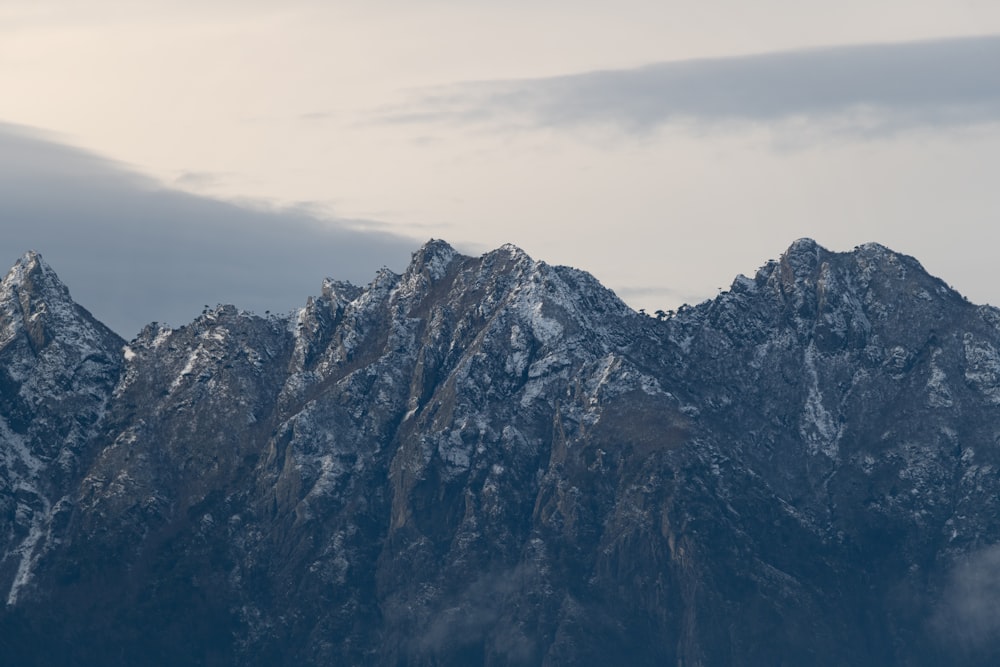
(491, 460)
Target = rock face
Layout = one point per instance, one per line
(495, 461)
(56, 367)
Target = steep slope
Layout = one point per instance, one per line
(490, 460)
(845, 402)
(57, 369)
(407, 465)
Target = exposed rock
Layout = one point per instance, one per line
(490, 460)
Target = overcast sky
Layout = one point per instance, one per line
(132, 251)
(664, 146)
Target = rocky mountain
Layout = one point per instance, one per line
(491, 460)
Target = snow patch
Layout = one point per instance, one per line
(546, 330)
(29, 550)
(192, 360)
(938, 392)
(15, 454)
(438, 262)
(161, 337)
(817, 426)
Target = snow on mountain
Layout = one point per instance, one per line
(491, 460)
(57, 365)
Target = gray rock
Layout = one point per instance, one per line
(490, 460)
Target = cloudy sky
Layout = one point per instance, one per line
(236, 151)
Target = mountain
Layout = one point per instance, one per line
(56, 363)
(491, 460)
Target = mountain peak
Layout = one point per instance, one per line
(362, 483)
(878, 253)
(31, 272)
(31, 257)
(805, 257)
(27, 293)
(26, 265)
(340, 290)
(33, 299)
(804, 251)
(800, 260)
(512, 250)
(873, 248)
(434, 257)
(435, 246)
(803, 245)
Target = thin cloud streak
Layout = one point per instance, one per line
(132, 251)
(871, 88)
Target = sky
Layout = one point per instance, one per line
(238, 151)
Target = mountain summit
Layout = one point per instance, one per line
(55, 361)
(492, 460)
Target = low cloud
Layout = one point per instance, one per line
(968, 617)
(875, 88)
(476, 616)
(132, 251)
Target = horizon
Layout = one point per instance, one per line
(138, 324)
(663, 149)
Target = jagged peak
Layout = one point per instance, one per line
(878, 252)
(33, 298)
(340, 290)
(804, 244)
(514, 251)
(435, 246)
(800, 260)
(809, 249)
(808, 268)
(508, 255)
(31, 258)
(804, 255)
(31, 277)
(803, 250)
(26, 264)
(434, 258)
(874, 248)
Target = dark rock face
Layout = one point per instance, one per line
(494, 461)
(57, 367)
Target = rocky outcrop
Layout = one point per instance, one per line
(57, 370)
(490, 460)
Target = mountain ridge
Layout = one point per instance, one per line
(491, 460)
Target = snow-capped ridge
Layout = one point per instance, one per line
(35, 302)
(29, 261)
(873, 248)
(803, 245)
(432, 259)
(801, 259)
(512, 250)
(30, 273)
(350, 479)
(60, 365)
(340, 291)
